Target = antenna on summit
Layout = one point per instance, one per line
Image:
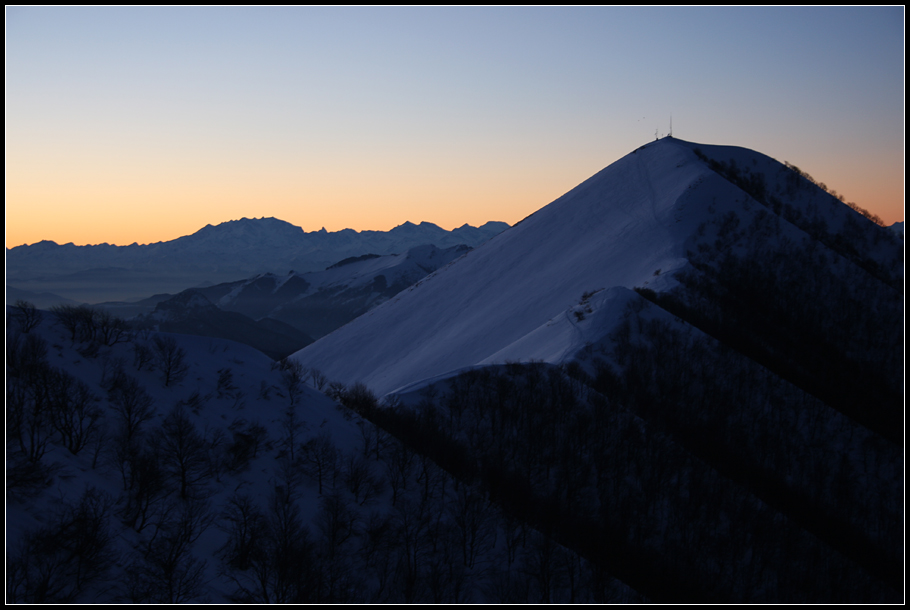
(671, 126)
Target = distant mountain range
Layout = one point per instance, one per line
(278, 315)
(214, 254)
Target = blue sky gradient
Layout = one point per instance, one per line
(143, 124)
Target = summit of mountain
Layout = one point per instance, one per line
(634, 224)
(245, 232)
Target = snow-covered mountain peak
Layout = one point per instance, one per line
(616, 229)
(248, 232)
(630, 225)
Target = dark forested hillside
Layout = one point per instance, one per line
(666, 451)
(738, 433)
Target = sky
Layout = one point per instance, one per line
(142, 125)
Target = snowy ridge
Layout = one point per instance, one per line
(632, 224)
(616, 229)
(560, 339)
(570, 331)
(321, 301)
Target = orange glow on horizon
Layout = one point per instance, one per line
(165, 212)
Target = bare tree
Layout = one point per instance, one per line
(226, 385)
(73, 411)
(168, 572)
(292, 376)
(318, 378)
(337, 524)
(475, 524)
(359, 478)
(248, 438)
(292, 426)
(142, 355)
(171, 359)
(80, 320)
(320, 459)
(269, 557)
(399, 463)
(182, 451)
(69, 318)
(24, 354)
(360, 399)
(57, 563)
(27, 315)
(131, 402)
(246, 526)
(146, 492)
(87, 322)
(29, 409)
(110, 328)
(410, 522)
